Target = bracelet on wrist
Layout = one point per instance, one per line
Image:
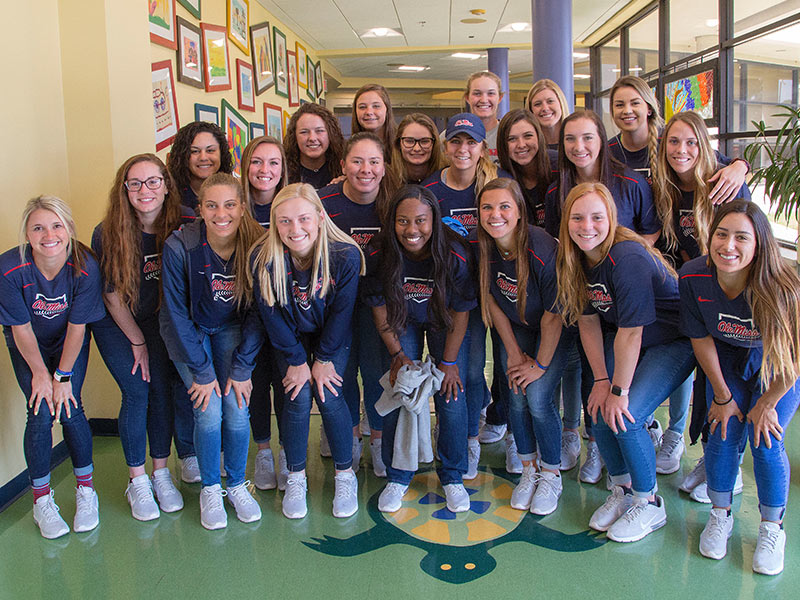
(396, 354)
(540, 365)
(323, 362)
(601, 379)
(63, 373)
(722, 403)
(447, 363)
(137, 345)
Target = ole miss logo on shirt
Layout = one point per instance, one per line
(223, 286)
(418, 290)
(49, 308)
(599, 297)
(735, 328)
(363, 235)
(686, 222)
(301, 295)
(468, 217)
(152, 267)
(507, 286)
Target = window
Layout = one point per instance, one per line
(643, 45)
(749, 15)
(609, 63)
(693, 27)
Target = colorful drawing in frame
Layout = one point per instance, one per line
(215, 58)
(318, 77)
(311, 90)
(302, 72)
(244, 91)
(204, 112)
(193, 6)
(256, 130)
(690, 92)
(238, 13)
(286, 118)
(161, 15)
(165, 107)
(236, 129)
(261, 53)
(273, 120)
(190, 62)
(281, 66)
(294, 89)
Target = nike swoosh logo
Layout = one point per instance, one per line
(701, 299)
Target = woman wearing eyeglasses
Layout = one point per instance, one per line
(417, 151)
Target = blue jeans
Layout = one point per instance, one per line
(533, 413)
(569, 388)
(38, 438)
(221, 414)
(366, 354)
(333, 409)
(265, 375)
(452, 415)
(770, 465)
(474, 379)
(154, 410)
(679, 405)
(497, 411)
(629, 455)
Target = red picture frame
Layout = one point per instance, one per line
(245, 85)
(155, 37)
(214, 80)
(165, 104)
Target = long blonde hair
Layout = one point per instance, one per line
(654, 120)
(270, 249)
(548, 84)
(571, 262)
(76, 252)
(666, 190)
(247, 157)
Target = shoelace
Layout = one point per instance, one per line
(668, 446)
(474, 453)
(295, 488)
(592, 453)
(529, 479)
(716, 526)
(214, 499)
(83, 503)
(241, 493)
(768, 540)
(547, 484)
(633, 512)
(142, 490)
(345, 487)
(615, 498)
(263, 460)
(50, 509)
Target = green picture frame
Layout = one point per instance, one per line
(237, 131)
(281, 72)
(193, 6)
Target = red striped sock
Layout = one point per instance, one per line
(42, 490)
(84, 480)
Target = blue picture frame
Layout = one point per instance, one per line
(257, 130)
(207, 113)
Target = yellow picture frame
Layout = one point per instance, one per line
(238, 23)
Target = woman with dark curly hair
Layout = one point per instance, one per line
(200, 149)
(314, 144)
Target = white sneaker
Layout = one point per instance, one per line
(513, 463)
(324, 446)
(592, 468)
(700, 493)
(457, 497)
(247, 509)
(391, 498)
(283, 470)
(523, 494)
(358, 449)
(473, 458)
(363, 425)
(548, 491)
(345, 497)
(768, 557)
(714, 539)
(190, 470)
(212, 511)
(570, 450)
(668, 457)
(377, 460)
(222, 471)
(168, 496)
(87, 515)
(294, 499)
(639, 520)
(611, 510)
(489, 434)
(695, 477)
(655, 431)
(264, 473)
(46, 516)
(140, 496)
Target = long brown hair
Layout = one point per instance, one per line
(333, 155)
(654, 120)
(388, 184)
(121, 263)
(247, 156)
(386, 132)
(541, 161)
(436, 162)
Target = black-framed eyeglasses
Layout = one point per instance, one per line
(409, 142)
(152, 183)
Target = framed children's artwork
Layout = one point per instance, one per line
(244, 91)
(238, 12)
(281, 67)
(318, 77)
(235, 128)
(261, 52)
(165, 107)
(256, 130)
(273, 121)
(286, 118)
(162, 23)
(302, 72)
(311, 90)
(190, 64)
(294, 89)
(193, 6)
(215, 58)
(204, 112)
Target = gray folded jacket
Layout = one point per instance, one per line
(411, 392)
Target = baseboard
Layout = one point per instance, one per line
(19, 485)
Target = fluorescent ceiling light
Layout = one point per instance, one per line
(469, 55)
(519, 26)
(637, 69)
(380, 32)
(412, 68)
(712, 23)
(580, 55)
(581, 76)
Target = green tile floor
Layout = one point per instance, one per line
(516, 555)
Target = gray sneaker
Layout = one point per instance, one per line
(714, 539)
(87, 515)
(46, 516)
(391, 498)
(668, 457)
(768, 557)
(212, 510)
(457, 497)
(548, 491)
(247, 509)
(168, 496)
(641, 519)
(695, 477)
(473, 458)
(140, 496)
(489, 434)
(345, 497)
(283, 470)
(523, 494)
(377, 459)
(294, 499)
(700, 493)
(190, 470)
(264, 473)
(570, 449)
(612, 509)
(513, 463)
(592, 468)
(655, 431)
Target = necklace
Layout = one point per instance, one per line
(223, 263)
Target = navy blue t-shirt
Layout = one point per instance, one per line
(261, 214)
(630, 288)
(27, 296)
(188, 198)
(359, 221)
(318, 179)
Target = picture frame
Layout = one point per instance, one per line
(286, 118)
(236, 129)
(238, 22)
(294, 89)
(244, 89)
(273, 121)
(165, 105)
(216, 58)
(281, 63)
(695, 89)
(256, 130)
(302, 69)
(207, 113)
(261, 54)
(189, 60)
(311, 90)
(161, 17)
(319, 78)
(193, 6)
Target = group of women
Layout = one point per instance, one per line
(605, 270)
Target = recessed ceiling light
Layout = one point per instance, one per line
(380, 32)
(468, 55)
(580, 55)
(581, 76)
(473, 21)
(712, 23)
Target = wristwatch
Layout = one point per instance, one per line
(618, 391)
(61, 377)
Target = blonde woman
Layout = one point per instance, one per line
(549, 106)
